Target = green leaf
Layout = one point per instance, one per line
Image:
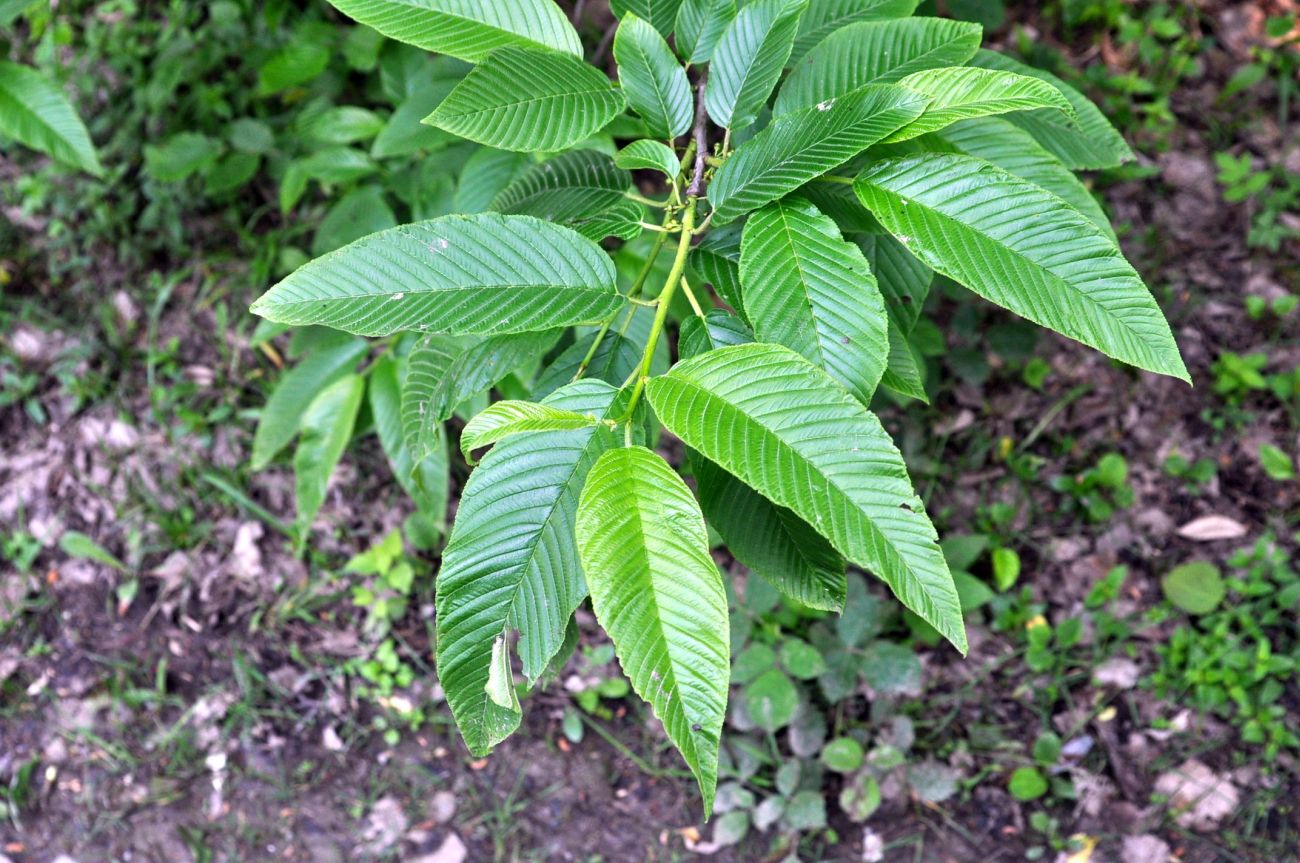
(180, 156)
(288, 402)
(427, 367)
(623, 220)
(805, 144)
(771, 540)
(716, 259)
(771, 700)
(700, 24)
(962, 93)
(660, 14)
(338, 124)
(357, 214)
(809, 289)
(1006, 568)
(570, 186)
(1015, 151)
(717, 329)
(1022, 248)
(326, 429)
(748, 60)
(824, 17)
(1196, 587)
(875, 52)
(76, 544)
(843, 755)
(612, 363)
(657, 592)
(426, 481)
(904, 281)
(507, 418)
(646, 155)
(1086, 142)
(1027, 784)
(832, 464)
(468, 29)
(529, 100)
(801, 659)
(511, 561)
(485, 175)
(478, 274)
(404, 133)
(443, 377)
(299, 62)
(653, 81)
(1276, 463)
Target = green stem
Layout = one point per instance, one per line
(665, 300)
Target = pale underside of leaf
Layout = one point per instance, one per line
(875, 52)
(805, 144)
(468, 29)
(790, 432)
(1024, 249)
(807, 288)
(529, 100)
(480, 274)
(657, 592)
(511, 561)
(507, 418)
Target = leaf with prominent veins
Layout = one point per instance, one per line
(657, 592)
(790, 432)
(466, 275)
(511, 560)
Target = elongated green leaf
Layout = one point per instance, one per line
(809, 289)
(771, 540)
(657, 592)
(700, 24)
(35, 113)
(1015, 151)
(1022, 248)
(622, 219)
(529, 100)
(478, 274)
(1084, 142)
(511, 561)
(426, 481)
(831, 463)
(326, 429)
(660, 14)
(570, 186)
(468, 29)
(905, 283)
(284, 410)
(646, 155)
(444, 374)
(875, 52)
(824, 17)
(485, 174)
(404, 133)
(507, 418)
(961, 93)
(805, 144)
(426, 368)
(748, 60)
(613, 361)
(717, 261)
(653, 81)
(717, 329)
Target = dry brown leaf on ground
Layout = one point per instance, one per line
(1198, 797)
(1212, 528)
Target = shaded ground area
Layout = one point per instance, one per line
(203, 702)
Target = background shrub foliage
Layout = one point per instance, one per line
(817, 163)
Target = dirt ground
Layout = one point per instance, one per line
(207, 717)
